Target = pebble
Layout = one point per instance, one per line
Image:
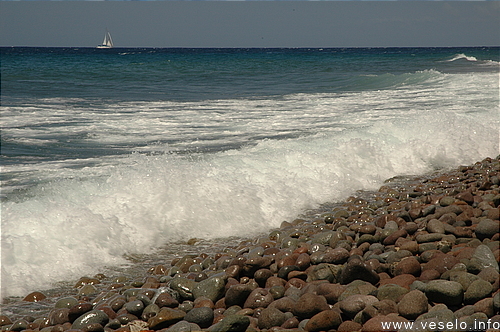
(34, 297)
(444, 291)
(91, 317)
(424, 250)
(413, 304)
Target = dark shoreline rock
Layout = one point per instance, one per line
(423, 250)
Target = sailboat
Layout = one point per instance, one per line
(108, 42)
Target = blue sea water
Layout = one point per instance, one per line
(110, 152)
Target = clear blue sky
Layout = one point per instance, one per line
(251, 24)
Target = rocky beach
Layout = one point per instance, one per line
(421, 252)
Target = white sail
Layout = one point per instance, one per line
(108, 42)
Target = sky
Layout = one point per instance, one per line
(251, 24)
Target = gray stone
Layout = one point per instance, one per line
(66, 302)
(486, 228)
(134, 307)
(355, 303)
(91, 317)
(477, 290)
(358, 270)
(202, 316)
(183, 326)
(212, 288)
(184, 287)
(481, 259)
(233, 323)
(464, 278)
(444, 291)
(270, 317)
(237, 294)
(391, 292)
(324, 271)
(435, 226)
(496, 302)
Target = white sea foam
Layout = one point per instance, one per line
(462, 56)
(87, 218)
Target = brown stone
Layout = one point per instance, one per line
(303, 261)
(358, 270)
(259, 297)
(331, 292)
(413, 304)
(391, 239)
(309, 305)
(349, 326)
(34, 297)
(58, 316)
(403, 280)
(78, 310)
(355, 303)
(285, 304)
(441, 263)
(386, 307)
(324, 321)
(429, 275)
(166, 300)
(408, 265)
(411, 246)
(485, 306)
(165, 317)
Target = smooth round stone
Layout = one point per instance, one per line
(444, 291)
(4, 320)
(270, 317)
(413, 304)
(234, 323)
(201, 316)
(358, 270)
(87, 290)
(408, 265)
(432, 237)
(391, 292)
(237, 294)
(324, 321)
(309, 305)
(165, 318)
(487, 228)
(496, 302)
(34, 297)
(258, 298)
(277, 292)
(91, 317)
(19, 325)
(212, 288)
(58, 316)
(356, 303)
(166, 300)
(477, 290)
(183, 326)
(66, 302)
(134, 307)
(435, 226)
(481, 259)
(78, 310)
(150, 311)
(446, 201)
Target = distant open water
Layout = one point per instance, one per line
(111, 152)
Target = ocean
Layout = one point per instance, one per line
(111, 153)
